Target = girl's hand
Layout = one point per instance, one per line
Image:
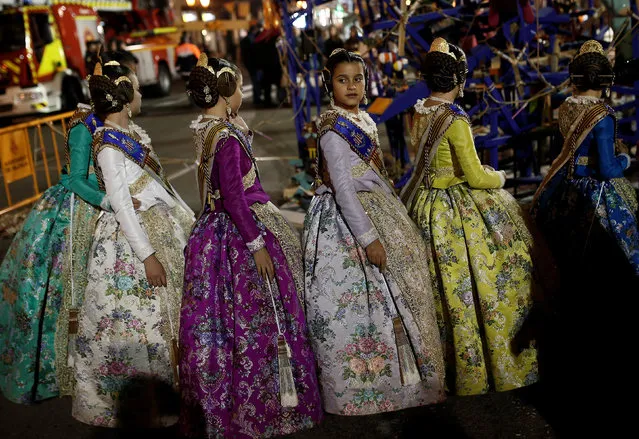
(264, 264)
(155, 273)
(376, 254)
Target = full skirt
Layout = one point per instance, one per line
(482, 272)
(229, 375)
(123, 359)
(355, 312)
(32, 289)
(585, 218)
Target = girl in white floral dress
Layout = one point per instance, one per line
(128, 324)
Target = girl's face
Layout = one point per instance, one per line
(236, 99)
(136, 103)
(348, 84)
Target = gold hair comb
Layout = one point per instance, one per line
(441, 45)
(112, 63)
(591, 46)
(122, 79)
(203, 60)
(225, 70)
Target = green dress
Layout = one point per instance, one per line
(36, 268)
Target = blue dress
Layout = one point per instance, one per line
(585, 206)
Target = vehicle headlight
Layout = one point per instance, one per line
(30, 96)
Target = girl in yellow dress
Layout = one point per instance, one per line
(481, 264)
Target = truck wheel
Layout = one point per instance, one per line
(71, 93)
(163, 87)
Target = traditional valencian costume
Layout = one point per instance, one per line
(479, 245)
(374, 334)
(128, 329)
(247, 369)
(585, 206)
(40, 284)
(587, 212)
(236, 368)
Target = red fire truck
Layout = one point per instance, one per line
(43, 50)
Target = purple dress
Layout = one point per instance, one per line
(229, 365)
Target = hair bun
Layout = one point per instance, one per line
(202, 87)
(109, 91)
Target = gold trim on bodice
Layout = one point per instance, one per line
(142, 182)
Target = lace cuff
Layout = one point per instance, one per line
(365, 239)
(257, 244)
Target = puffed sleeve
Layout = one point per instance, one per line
(336, 154)
(227, 159)
(461, 139)
(112, 163)
(610, 166)
(80, 154)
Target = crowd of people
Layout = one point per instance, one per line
(113, 291)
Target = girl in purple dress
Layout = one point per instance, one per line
(246, 369)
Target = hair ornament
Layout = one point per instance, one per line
(112, 63)
(207, 94)
(225, 70)
(591, 46)
(121, 79)
(441, 45)
(203, 61)
(338, 50)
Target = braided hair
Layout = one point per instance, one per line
(207, 84)
(591, 71)
(443, 72)
(111, 88)
(340, 56)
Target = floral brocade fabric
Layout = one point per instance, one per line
(351, 307)
(482, 272)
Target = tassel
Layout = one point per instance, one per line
(407, 364)
(174, 361)
(73, 321)
(288, 394)
(71, 351)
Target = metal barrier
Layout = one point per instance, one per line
(19, 158)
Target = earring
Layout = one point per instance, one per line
(128, 110)
(228, 109)
(365, 99)
(606, 92)
(332, 100)
(461, 90)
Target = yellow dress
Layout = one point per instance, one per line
(481, 264)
